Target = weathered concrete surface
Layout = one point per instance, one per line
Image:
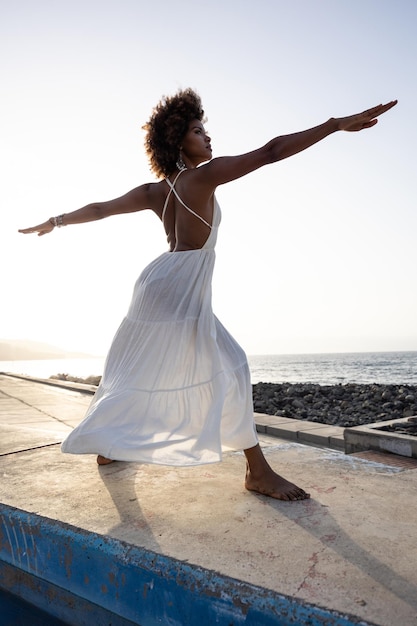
(352, 547)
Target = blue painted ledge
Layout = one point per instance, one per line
(83, 578)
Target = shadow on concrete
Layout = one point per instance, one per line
(315, 518)
(119, 478)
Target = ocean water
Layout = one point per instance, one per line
(323, 369)
(388, 368)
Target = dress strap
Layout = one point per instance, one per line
(174, 191)
(171, 185)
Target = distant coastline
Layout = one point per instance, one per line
(26, 350)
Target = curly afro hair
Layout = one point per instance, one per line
(167, 127)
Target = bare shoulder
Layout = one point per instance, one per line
(196, 186)
(148, 194)
(156, 195)
(224, 169)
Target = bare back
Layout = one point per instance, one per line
(186, 215)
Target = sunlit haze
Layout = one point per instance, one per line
(315, 254)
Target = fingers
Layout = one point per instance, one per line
(36, 229)
(367, 118)
(380, 108)
(370, 124)
(32, 229)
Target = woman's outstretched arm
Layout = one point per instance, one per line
(225, 169)
(135, 200)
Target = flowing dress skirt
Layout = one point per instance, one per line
(176, 386)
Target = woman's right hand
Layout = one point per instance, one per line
(41, 229)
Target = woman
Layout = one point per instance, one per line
(176, 387)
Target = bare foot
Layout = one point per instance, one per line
(275, 486)
(261, 477)
(102, 460)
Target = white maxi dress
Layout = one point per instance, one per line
(176, 386)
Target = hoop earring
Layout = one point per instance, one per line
(180, 163)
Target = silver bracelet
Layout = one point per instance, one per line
(57, 221)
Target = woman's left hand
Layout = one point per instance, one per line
(366, 119)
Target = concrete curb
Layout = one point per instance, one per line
(54, 382)
(302, 431)
(372, 437)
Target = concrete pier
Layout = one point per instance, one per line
(347, 555)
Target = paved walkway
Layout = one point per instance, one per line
(352, 547)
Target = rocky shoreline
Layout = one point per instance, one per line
(337, 405)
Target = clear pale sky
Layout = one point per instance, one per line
(315, 254)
